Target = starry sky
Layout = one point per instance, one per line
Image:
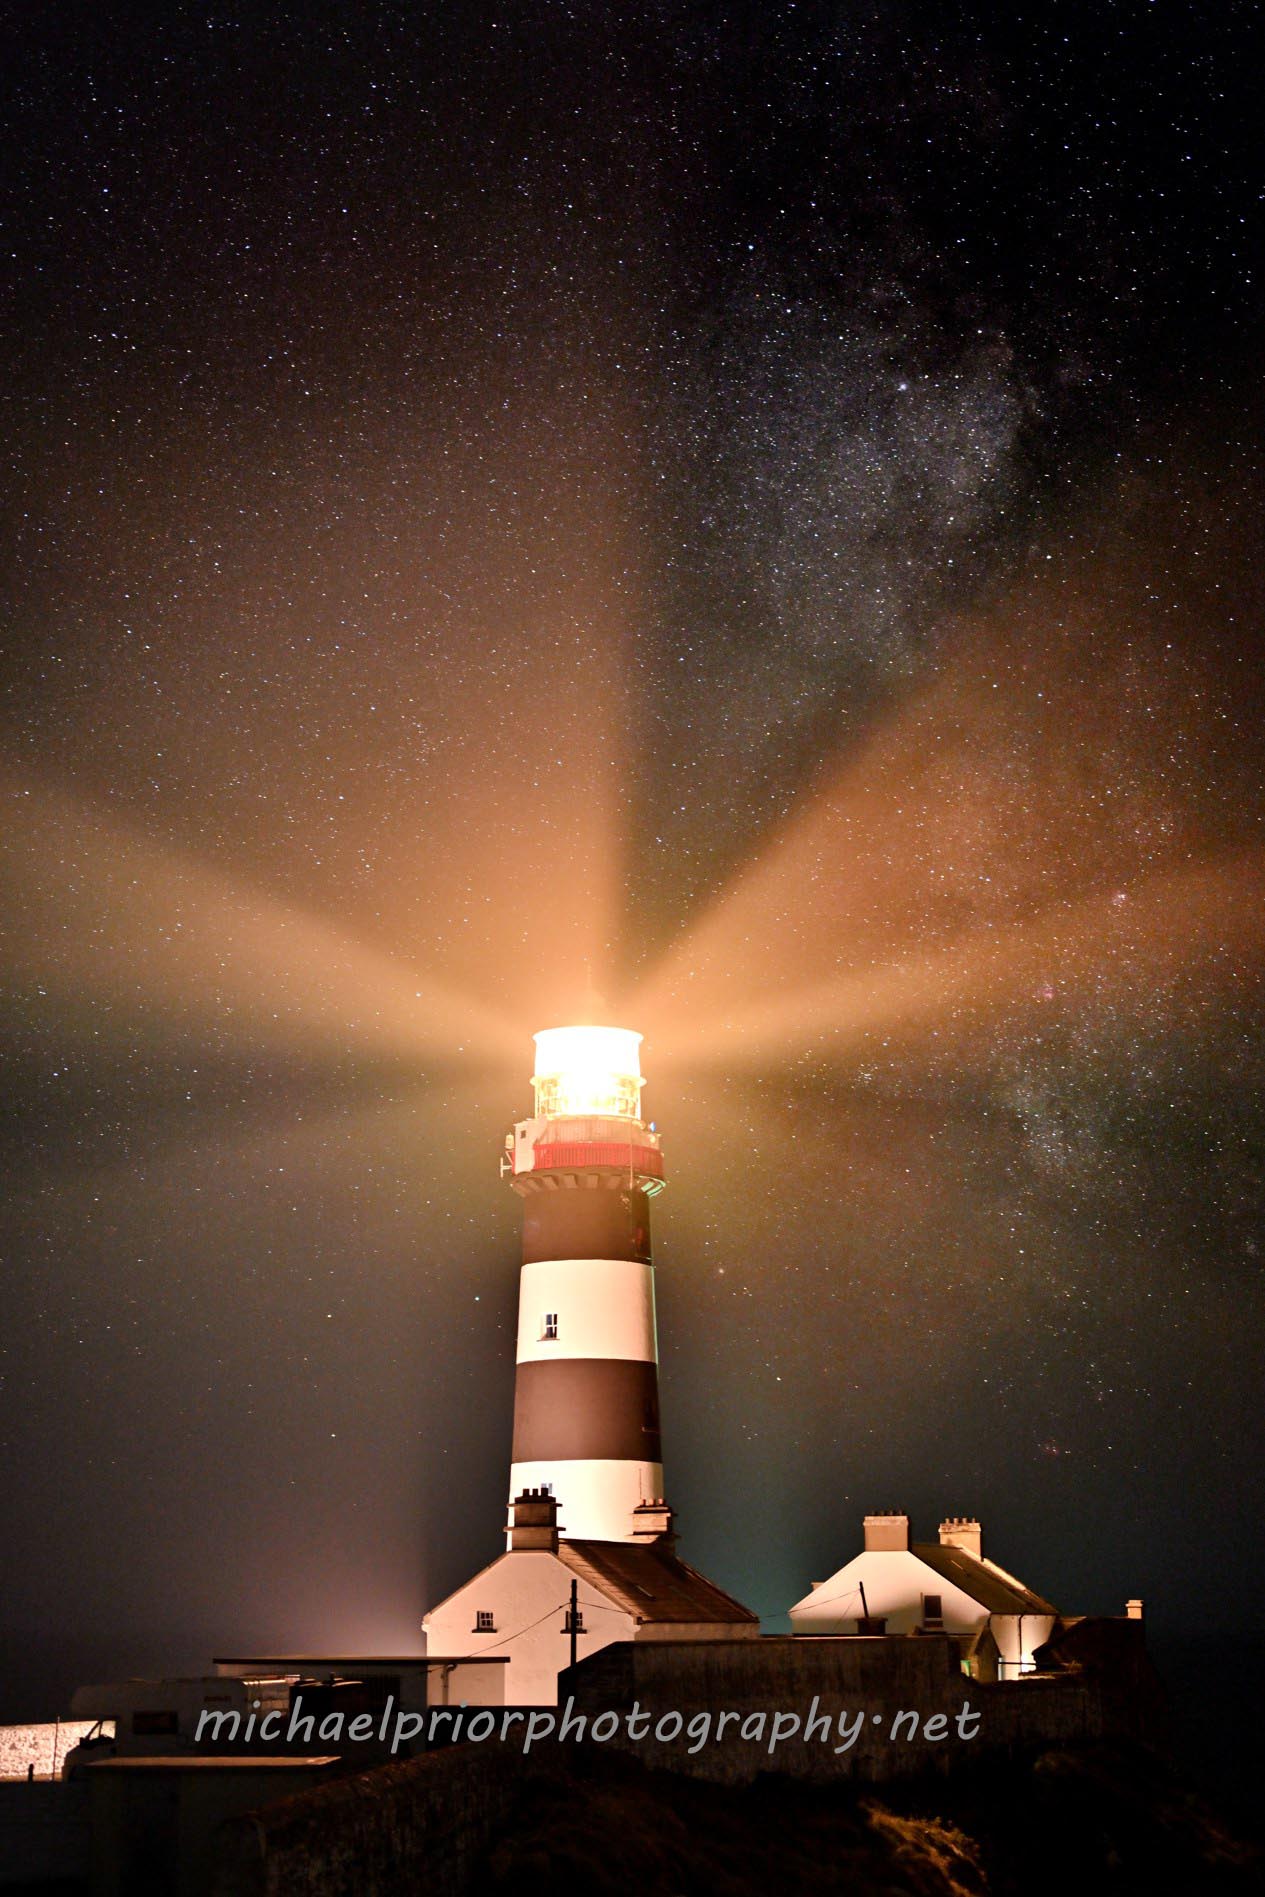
(757, 506)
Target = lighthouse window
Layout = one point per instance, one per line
(549, 1326)
(484, 1621)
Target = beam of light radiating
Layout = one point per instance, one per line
(135, 941)
(449, 780)
(1004, 835)
(513, 884)
(1124, 949)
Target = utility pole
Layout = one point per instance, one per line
(573, 1619)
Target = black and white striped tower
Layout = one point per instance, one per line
(586, 1395)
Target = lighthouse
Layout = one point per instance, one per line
(590, 1550)
(586, 1396)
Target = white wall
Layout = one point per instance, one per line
(1018, 1637)
(528, 1593)
(895, 1583)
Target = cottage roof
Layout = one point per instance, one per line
(991, 1586)
(650, 1582)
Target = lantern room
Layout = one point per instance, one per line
(584, 1072)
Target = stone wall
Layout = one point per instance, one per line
(43, 1746)
(906, 1704)
(424, 1823)
(428, 1821)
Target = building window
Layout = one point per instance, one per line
(149, 1725)
(484, 1621)
(932, 1613)
(549, 1327)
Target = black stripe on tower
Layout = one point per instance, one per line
(586, 1409)
(609, 1221)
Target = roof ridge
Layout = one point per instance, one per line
(946, 1557)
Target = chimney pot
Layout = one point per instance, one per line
(964, 1532)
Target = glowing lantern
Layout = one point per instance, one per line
(587, 1071)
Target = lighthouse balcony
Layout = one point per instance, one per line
(590, 1143)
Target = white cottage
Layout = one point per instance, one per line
(895, 1586)
(519, 1607)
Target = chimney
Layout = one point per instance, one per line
(1133, 1610)
(533, 1522)
(652, 1521)
(886, 1533)
(960, 1531)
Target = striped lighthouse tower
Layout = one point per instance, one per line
(586, 1393)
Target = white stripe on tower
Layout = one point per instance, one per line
(604, 1307)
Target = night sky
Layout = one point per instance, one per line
(757, 505)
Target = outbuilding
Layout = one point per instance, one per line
(895, 1586)
(521, 1606)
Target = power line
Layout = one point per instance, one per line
(849, 1594)
(504, 1642)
